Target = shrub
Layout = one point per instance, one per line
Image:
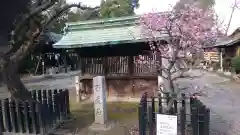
(215, 65)
(227, 63)
(236, 64)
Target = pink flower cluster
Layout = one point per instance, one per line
(134, 130)
(189, 29)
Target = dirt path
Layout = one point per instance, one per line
(222, 96)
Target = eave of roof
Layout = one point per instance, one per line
(229, 41)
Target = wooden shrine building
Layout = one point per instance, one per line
(111, 48)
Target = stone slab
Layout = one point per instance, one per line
(102, 127)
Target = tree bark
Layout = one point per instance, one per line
(23, 42)
(13, 82)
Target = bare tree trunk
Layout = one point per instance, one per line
(14, 84)
(23, 41)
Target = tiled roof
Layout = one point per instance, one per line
(231, 40)
(101, 32)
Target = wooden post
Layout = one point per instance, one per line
(82, 66)
(13, 116)
(65, 63)
(105, 66)
(33, 115)
(43, 67)
(67, 102)
(131, 72)
(45, 105)
(151, 126)
(26, 117)
(55, 105)
(221, 59)
(6, 113)
(39, 96)
(60, 104)
(182, 121)
(130, 65)
(50, 104)
(34, 94)
(40, 117)
(1, 118)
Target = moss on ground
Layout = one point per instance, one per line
(123, 112)
(115, 110)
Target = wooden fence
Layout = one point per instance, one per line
(211, 56)
(39, 116)
(199, 115)
(119, 65)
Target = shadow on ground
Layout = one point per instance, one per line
(83, 116)
(123, 113)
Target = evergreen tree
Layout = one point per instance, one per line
(117, 8)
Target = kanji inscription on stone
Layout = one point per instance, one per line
(99, 91)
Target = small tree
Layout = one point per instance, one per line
(185, 30)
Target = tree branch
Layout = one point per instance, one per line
(26, 19)
(187, 76)
(65, 8)
(15, 45)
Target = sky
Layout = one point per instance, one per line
(222, 8)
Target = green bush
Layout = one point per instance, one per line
(236, 64)
(215, 65)
(227, 63)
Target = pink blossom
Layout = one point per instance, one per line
(189, 29)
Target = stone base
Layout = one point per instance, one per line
(101, 127)
(219, 70)
(227, 73)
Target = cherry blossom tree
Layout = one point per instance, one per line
(185, 31)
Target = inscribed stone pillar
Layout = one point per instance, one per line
(78, 89)
(99, 91)
(100, 104)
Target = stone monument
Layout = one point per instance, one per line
(100, 105)
(78, 90)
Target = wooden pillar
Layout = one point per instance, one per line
(221, 58)
(130, 65)
(82, 65)
(65, 63)
(43, 67)
(105, 65)
(64, 53)
(131, 72)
